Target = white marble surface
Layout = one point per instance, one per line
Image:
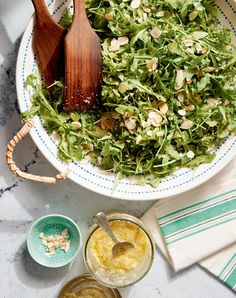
(21, 202)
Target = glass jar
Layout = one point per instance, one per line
(85, 286)
(127, 268)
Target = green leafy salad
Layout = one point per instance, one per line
(168, 92)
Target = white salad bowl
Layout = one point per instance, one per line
(93, 178)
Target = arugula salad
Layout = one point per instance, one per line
(168, 93)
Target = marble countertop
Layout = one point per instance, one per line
(21, 202)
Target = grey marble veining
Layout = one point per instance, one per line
(21, 202)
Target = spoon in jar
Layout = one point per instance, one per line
(120, 247)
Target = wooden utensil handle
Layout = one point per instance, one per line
(12, 166)
(41, 11)
(79, 11)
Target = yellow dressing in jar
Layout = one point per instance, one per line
(130, 264)
(101, 246)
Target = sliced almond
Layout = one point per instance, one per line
(50, 238)
(145, 16)
(154, 118)
(160, 133)
(189, 81)
(192, 16)
(163, 107)
(179, 79)
(114, 45)
(147, 9)
(160, 14)
(187, 124)
(199, 47)
(180, 97)
(76, 125)
(67, 246)
(113, 42)
(149, 133)
(65, 233)
(56, 135)
(188, 42)
(208, 69)
(123, 87)
(152, 64)
(155, 32)
(212, 101)
(205, 51)
(146, 124)
(52, 242)
(44, 242)
(226, 102)
(111, 3)
(108, 16)
(182, 112)
(123, 40)
(190, 51)
(130, 123)
(99, 160)
(138, 139)
(135, 4)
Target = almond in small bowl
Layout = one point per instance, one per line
(54, 240)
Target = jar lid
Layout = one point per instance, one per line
(84, 286)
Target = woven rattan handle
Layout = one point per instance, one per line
(12, 166)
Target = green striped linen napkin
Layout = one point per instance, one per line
(199, 226)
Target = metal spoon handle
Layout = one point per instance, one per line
(101, 220)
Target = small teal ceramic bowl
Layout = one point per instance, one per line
(53, 224)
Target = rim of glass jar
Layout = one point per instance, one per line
(84, 279)
(117, 215)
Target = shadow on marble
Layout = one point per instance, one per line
(7, 44)
(171, 275)
(14, 226)
(34, 275)
(209, 274)
(70, 199)
(9, 106)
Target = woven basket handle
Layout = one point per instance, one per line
(12, 166)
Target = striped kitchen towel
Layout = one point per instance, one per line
(200, 226)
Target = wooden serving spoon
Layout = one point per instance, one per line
(83, 62)
(48, 43)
